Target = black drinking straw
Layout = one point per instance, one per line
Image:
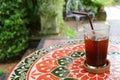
(86, 14)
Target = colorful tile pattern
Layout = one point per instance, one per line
(67, 64)
(64, 62)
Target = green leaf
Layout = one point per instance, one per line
(77, 54)
(7, 22)
(64, 61)
(61, 72)
(70, 32)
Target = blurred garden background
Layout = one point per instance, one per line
(23, 23)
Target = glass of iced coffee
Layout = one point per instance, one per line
(96, 45)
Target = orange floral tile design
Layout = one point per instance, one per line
(67, 64)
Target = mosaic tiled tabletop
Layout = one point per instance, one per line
(64, 61)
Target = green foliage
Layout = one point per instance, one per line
(96, 4)
(117, 2)
(13, 32)
(103, 2)
(1, 71)
(70, 32)
(32, 7)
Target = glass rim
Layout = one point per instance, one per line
(88, 28)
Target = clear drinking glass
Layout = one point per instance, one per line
(96, 45)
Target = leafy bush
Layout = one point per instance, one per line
(96, 4)
(33, 17)
(117, 2)
(13, 32)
